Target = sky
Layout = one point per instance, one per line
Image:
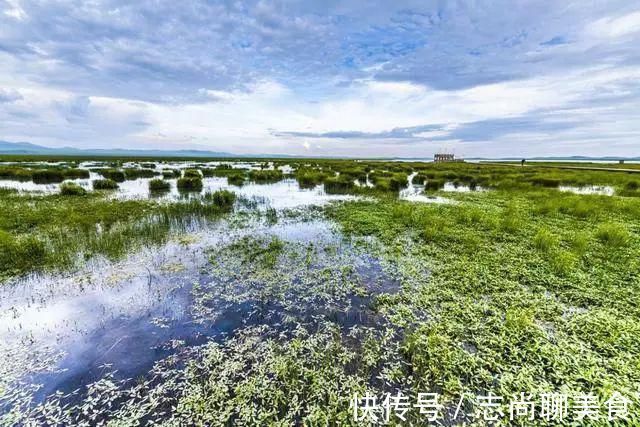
(324, 78)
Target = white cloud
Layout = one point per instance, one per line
(14, 10)
(616, 26)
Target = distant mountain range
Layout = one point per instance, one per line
(27, 148)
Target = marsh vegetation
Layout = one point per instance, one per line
(275, 301)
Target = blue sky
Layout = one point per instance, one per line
(357, 78)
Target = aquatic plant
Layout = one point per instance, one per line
(419, 179)
(224, 199)
(308, 178)
(159, 185)
(116, 175)
(75, 173)
(433, 184)
(104, 184)
(15, 173)
(71, 189)
(44, 176)
(192, 173)
(266, 176)
(398, 181)
(338, 184)
(171, 173)
(190, 184)
(236, 179)
(135, 173)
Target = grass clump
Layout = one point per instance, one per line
(159, 185)
(71, 189)
(613, 235)
(15, 173)
(104, 184)
(75, 173)
(338, 185)
(45, 176)
(192, 173)
(223, 199)
(544, 240)
(116, 175)
(419, 179)
(135, 173)
(236, 179)
(309, 178)
(171, 173)
(266, 176)
(190, 184)
(398, 181)
(433, 184)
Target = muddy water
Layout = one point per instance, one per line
(60, 333)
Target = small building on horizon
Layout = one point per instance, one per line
(444, 157)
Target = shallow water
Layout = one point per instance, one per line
(601, 190)
(62, 332)
(279, 195)
(415, 193)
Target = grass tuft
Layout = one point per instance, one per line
(105, 184)
(72, 189)
(159, 185)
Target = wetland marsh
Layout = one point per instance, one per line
(260, 292)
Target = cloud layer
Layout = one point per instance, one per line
(403, 78)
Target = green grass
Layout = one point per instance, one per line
(58, 232)
(236, 180)
(159, 185)
(104, 184)
(190, 184)
(546, 296)
(72, 189)
(223, 199)
(169, 174)
(116, 175)
(266, 176)
(192, 173)
(338, 185)
(135, 173)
